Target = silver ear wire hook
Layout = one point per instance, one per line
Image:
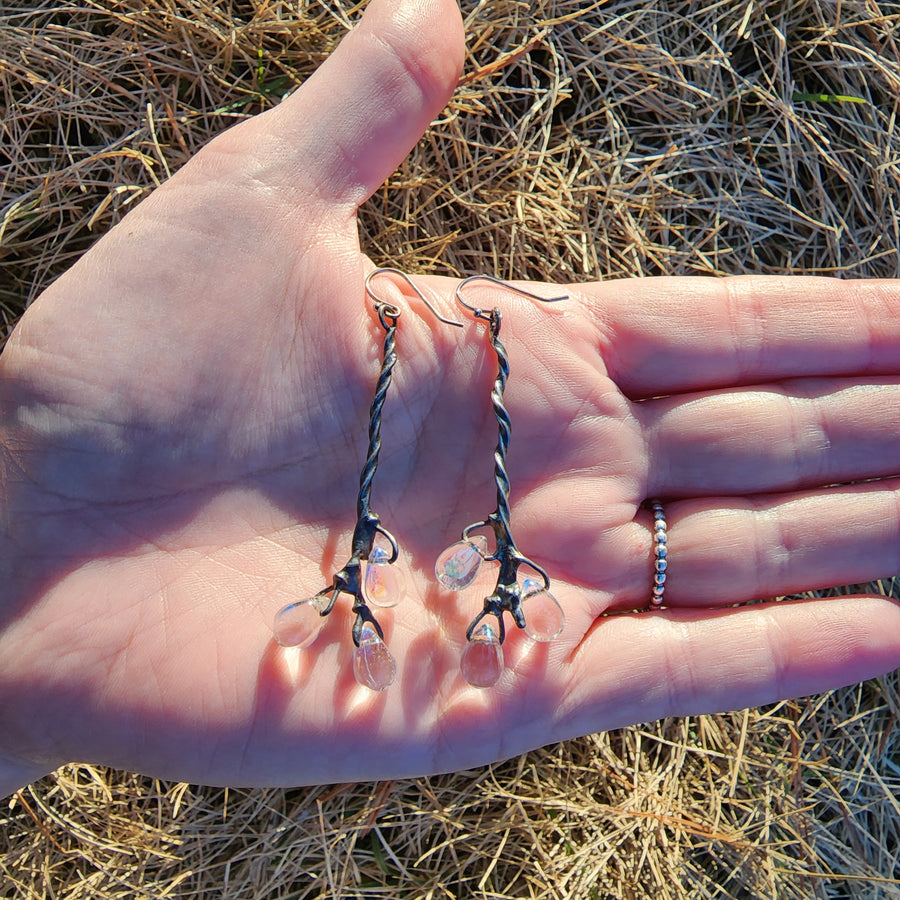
(391, 308)
(480, 313)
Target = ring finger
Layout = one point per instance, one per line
(723, 551)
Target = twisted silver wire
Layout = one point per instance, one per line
(388, 318)
(349, 579)
(504, 425)
(507, 594)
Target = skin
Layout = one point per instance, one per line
(183, 425)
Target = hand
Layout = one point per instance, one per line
(184, 420)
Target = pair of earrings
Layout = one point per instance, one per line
(369, 577)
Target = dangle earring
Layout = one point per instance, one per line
(369, 576)
(529, 602)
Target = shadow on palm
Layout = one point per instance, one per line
(185, 424)
(208, 476)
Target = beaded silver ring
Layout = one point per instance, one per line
(660, 554)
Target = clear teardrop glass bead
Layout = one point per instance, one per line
(299, 624)
(482, 660)
(544, 617)
(373, 664)
(458, 565)
(384, 583)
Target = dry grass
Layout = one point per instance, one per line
(586, 140)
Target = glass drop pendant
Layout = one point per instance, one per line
(373, 665)
(384, 582)
(544, 617)
(299, 624)
(458, 565)
(482, 660)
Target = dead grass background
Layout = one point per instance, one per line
(586, 140)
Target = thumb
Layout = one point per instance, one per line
(351, 124)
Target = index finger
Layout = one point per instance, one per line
(668, 335)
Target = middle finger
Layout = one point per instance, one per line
(795, 434)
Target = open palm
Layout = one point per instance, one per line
(184, 424)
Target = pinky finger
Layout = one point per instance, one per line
(642, 667)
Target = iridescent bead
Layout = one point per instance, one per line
(384, 583)
(544, 617)
(299, 624)
(458, 565)
(482, 660)
(373, 664)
